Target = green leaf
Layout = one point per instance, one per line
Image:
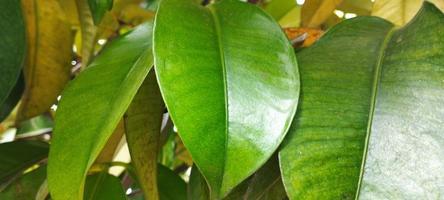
(386, 85)
(197, 187)
(17, 156)
(103, 186)
(13, 98)
(230, 82)
(47, 68)
(26, 186)
(98, 9)
(279, 8)
(143, 121)
(91, 107)
(265, 184)
(171, 186)
(286, 12)
(292, 18)
(12, 48)
(34, 126)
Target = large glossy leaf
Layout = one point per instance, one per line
(12, 46)
(47, 67)
(103, 186)
(26, 186)
(143, 122)
(230, 82)
(387, 85)
(91, 107)
(16, 156)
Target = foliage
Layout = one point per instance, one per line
(199, 100)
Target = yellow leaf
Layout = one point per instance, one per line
(400, 12)
(69, 7)
(47, 67)
(315, 12)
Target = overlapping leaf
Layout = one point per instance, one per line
(230, 82)
(47, 68)
(381, 94)
(17, 156)
(142, 127)
(103, 186)
(91, 107)
(12, 48)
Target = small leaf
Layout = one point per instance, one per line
(197, 187)
(265, 184)
(34, 126)
(17, 156)
(91, 108)
(47, 68)
(13, 98)
(98, 9)
(315, 12)
(26, 186)
(171, 186)
(143, 121)
(103, 186)
(88, 31)
(12, 48)
(229, 103)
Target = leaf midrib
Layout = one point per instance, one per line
(376, 82)
(217, 27)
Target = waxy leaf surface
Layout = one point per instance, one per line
(370, 121)
(91, 107)
(230, 82)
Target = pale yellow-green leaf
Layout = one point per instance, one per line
(47, 67)
(126, 11)
(142, 124)
(88, 31)
(400, 12)
(292, 18)
(315, 12)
